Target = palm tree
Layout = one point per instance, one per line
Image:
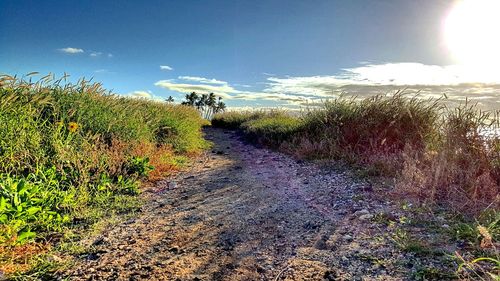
(191, 99)
(220, 106)
(201, 102)
(210, 106)
(170, 99)
(207, 104)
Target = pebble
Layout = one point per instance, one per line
(361, 212)
(365, 217)
(347, 237)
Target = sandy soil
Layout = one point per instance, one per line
(246, 213)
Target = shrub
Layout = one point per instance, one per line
(272, 130)
(67, 147)
(31, 204)
(377, 124)
(234, 119)
(461, 168)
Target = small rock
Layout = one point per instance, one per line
(320, 244)
(445, 226)
(365, 217)
(98, 241)
(361, 212)
(347, 237)
(174, 250)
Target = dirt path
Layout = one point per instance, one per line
(244, 213)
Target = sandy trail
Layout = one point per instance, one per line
(245, 213)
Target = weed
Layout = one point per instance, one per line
(432, 273)
(139, 166)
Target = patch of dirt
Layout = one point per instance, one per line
(245, 213)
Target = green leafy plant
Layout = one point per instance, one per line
(139, 166)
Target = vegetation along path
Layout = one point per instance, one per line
(246, 213)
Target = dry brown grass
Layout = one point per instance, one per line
(19, 258)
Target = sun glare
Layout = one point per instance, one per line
(472, 32)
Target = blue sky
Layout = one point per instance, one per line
(253, 53)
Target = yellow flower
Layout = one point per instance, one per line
(72, 127)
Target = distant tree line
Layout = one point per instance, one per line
(207, 104)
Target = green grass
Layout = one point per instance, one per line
(233, 119)
(272, 130)
(71, 154)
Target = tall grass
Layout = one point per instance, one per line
(438, 155)
(71, 150)
(462, 166)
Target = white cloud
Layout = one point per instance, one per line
(95, 54)
(104, 71)
(268, 74)
(390, 74)
(141, 94)
(458, 82)
(149, 95)
(226, 91)
(110, 55)
(70, 50)
(202, 80)
(223, 90)
(166, 67)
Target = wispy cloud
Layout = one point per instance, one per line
(70, 50)
(141, 94)
(390, 74)
(104, 71)
(458, 82)
(243, 85)
(268, 74)
(226, 91)
(166, 67)
(223, 90)
(202, 80)
(93, 54)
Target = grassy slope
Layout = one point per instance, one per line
(73, 154)
(438, 156)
